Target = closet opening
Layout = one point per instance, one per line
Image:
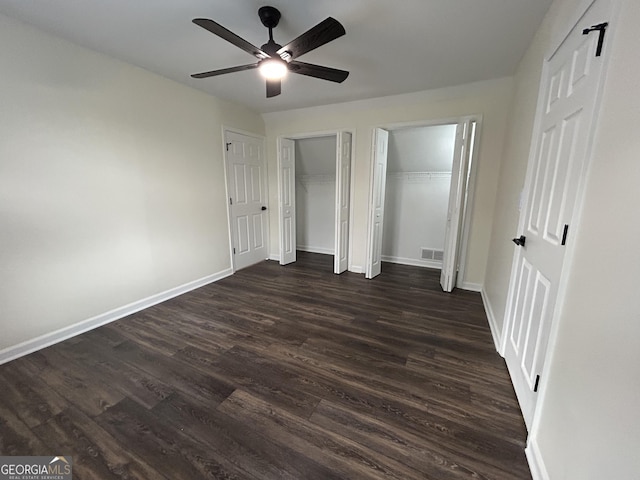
(314, 184)
(421, 196)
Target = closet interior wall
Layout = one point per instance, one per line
(316, 194)
(419, 168)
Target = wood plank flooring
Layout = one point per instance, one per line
(277, 373)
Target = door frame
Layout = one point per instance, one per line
(265, 182)
(318, 134)
(531, 449)
(471, 184)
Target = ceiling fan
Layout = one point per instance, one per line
(274, 60)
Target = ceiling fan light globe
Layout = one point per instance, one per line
(273, 69)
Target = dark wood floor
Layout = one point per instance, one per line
(277, 373)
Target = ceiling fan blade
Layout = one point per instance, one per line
(214, 73)
(324, 32)
(318, 71)
(274, 88)
(230, 37)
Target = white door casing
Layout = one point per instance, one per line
(247, 188)
(287, 200)
(457, 191)
(376, 208)
(343, 181)
(566, 115)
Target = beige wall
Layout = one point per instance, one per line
(491, 99)
(111, 183)
(587, 426)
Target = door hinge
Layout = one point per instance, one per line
(564, 234)
(228, 144)
(234, 250)
(535, 387)
(230, 201)
(601, 29)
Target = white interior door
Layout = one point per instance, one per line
(343, 181)
(287, 207)
(568, 96)
(246, 182)
(457, 190)
(376, 208)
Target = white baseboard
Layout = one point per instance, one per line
(493, 326)
(536, 463)
(312, 249)
(48, 339)
(275, 257)
(472, 287)
(412, 261)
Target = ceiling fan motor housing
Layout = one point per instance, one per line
(271, 48)
(269, 16)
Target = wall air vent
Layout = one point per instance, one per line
(431, 254)
(427, 254)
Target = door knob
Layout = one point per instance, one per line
(263, 208)
(520, 241)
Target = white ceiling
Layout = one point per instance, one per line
(390, 47)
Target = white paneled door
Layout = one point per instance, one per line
(343, 181)
(565, 120)
(455, 209)
(246, 181)
(376, 209)
(287, 189)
